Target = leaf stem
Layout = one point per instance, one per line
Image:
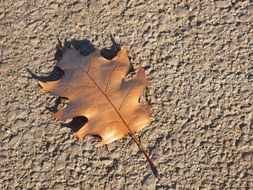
(149, 159)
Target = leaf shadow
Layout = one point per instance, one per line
(76, 123)
(56, 74)
(110, 53)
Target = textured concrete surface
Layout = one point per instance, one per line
(198, 56)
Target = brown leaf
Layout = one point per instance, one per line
(96, 88)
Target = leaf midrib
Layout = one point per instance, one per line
(115, 109)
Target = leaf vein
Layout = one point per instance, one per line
(127, 95)
(73, 85)
(108, 80)
(88, 105)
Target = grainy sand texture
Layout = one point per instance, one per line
(198, 56)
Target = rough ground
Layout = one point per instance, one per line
(198, 56)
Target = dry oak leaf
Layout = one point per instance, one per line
(96, 89)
